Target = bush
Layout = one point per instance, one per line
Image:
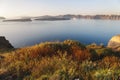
(68, 60)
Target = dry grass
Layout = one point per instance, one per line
(60, 61)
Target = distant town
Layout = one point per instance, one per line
(62, 17)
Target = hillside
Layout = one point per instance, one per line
(67, 60)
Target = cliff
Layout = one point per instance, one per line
(4, 44)
(114, 43)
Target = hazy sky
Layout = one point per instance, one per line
(14, 8)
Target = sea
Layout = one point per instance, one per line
(87, 31)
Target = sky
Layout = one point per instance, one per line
(16, 8)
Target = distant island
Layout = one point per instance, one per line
(17, 20)
(63, 17)
(103, 17)
(51, 18)
(2, 17)
(69, 17)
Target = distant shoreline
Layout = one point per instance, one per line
(64, 17)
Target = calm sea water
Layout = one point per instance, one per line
(22, 34)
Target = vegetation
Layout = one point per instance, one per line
(68, 60)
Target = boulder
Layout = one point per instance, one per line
(114, 43)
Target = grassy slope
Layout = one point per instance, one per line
(60, 61)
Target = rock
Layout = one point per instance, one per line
(114, 43)
(4, 44)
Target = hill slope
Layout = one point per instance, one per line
(66, 60)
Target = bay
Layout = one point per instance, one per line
(87, 31)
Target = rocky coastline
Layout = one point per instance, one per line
(5, 44)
